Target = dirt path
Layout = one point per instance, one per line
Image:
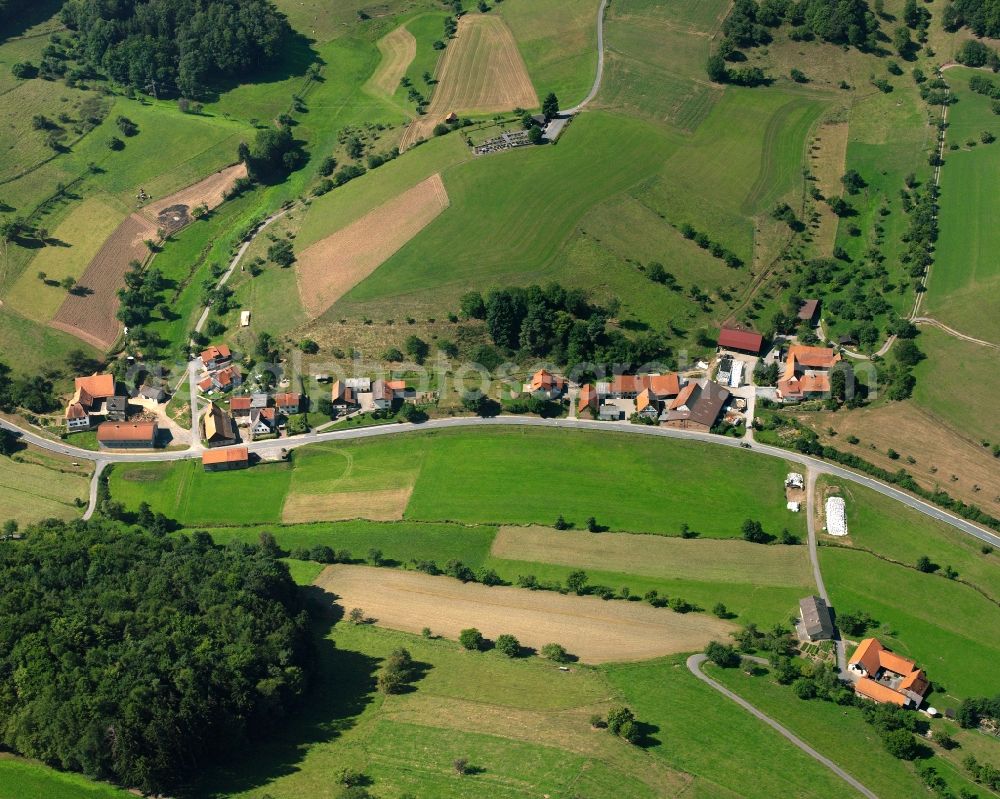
(926, 320)
(594, 630)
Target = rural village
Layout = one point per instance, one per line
(523, 398)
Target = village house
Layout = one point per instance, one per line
(288, 403)
(154, 393)
(646, 405)
(263, 421)
(807, 372)
(218, 429)
(697, 407)
(740, 339)
(887, 677)
(90, 398)
(386, 392)
(127, 435)
(215, 357)
(223, 460)
(227, 378)
(343, 398)
(817, 623)
(588, 399)
(546, 385)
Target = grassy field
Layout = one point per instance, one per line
(938, 622)
(20, 779)
(40, 485)
(841, 734)
(964, 276)
(948, 356)
(558, 41)
(442, 468)
(730, 753)
(894, 531)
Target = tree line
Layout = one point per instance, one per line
(185, 46)
(142, 658)
(981, 16)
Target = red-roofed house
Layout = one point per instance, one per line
(343, 397)
(807, 372)
(546, 385)
(87, 399)
(240, 407)
(887, 677)
(647, 405)
(588, 399)
(216, 357)
(288, 403)
(127, 435)
(228, 378)
(737, 338)
(222, 460)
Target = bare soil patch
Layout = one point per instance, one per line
(941, 454)
(827, 157)
(330, 268)
(382, 506)
(594, 630)
(90, 313)
(481, 72)
(657, 556)
(398, 49)
(210, 192)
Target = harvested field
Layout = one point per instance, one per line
(380, 506)
(826, 160)
(594, 630)
(482, 72)
(657, 556)
(398, 49)
(90, 314)
(330, 268)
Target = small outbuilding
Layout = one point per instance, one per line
(740, 339)
(808, 311)
(224, 460)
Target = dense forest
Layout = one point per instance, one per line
(138, 657)
(982, 16)
(186, 46)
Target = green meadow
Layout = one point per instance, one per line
(948, 356)
(942, 624)
(492, 477)
(41, 486)
(965, 276)
(840, 733)
(24, 779)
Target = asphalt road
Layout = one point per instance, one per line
(349, 434)
(694, 664)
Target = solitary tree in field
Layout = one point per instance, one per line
(576, 580)
(357, 616)
(550, 106)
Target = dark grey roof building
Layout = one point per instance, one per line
(816, 619)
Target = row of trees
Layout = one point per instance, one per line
(185, 46)
(142, 658)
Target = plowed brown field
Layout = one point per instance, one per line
(594, 630)
(330, 268)
(90, 315)
(482, 71)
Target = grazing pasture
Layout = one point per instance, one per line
(481, 72)
(330, 268)
(658, 556)
(40, 486)
(965, 277)
(594, 630)
(398, 50)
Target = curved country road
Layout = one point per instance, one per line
(694, 664)
(576, 109)
(276, 445)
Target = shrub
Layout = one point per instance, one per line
(508, 645)
(901, 744)
(555, 652)
(471, 639)
(723, 655)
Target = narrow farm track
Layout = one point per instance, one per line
(694, 664)
(926, 320)
(596, 87)
(274, 446)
